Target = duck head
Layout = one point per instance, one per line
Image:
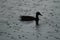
(38, 13)
(37, 18)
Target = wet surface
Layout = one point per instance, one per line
(13, 29)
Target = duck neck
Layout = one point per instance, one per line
(37, 16)
(37, 19)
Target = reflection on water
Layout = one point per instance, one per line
(38, 31)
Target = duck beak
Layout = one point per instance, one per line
(41, 14)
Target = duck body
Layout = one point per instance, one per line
(31, 18)
(27, 18)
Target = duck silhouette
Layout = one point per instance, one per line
(31, 18)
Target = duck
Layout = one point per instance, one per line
(31, 18)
